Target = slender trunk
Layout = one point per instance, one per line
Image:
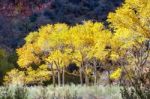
(109, 80)
(86, 79)
(86, 76)
(120, 80)
(63, 76)
(53, 75)
(58, 74)
(95, 73)
(81, 76)
(59, 79)
(54, 84)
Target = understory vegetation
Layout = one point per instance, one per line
(66, 92)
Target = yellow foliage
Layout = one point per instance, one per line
(88, 71)
(27, 55)
(114, 56)
(32, 37)
(132, 15)
(116, 74)
(14, 77)
(37, 76)
(58, 59)
(29, 76)
(59, 45)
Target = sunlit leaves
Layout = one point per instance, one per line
(56, 46)
(134, 16)
(116, 74)
(14, 77)
(27, 55)
(131, 25)
(30, 76)
(59, 45)
(58, 59)
(32, 37)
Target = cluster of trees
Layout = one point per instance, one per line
(123, 47)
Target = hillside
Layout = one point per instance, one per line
(19, 17)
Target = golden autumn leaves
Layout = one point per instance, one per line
(56, 46)
(133, 15)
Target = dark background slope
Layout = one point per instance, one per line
(19, 17)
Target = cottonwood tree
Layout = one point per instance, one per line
(131, 22)
(58, 45)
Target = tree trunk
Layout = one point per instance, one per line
(95, 73)
(53, 75)
(58, 74)
(109, 80)
(54, 84)
(59, 79)
(63, 76)
(86, 76)
(86, 79)
(81, 76)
